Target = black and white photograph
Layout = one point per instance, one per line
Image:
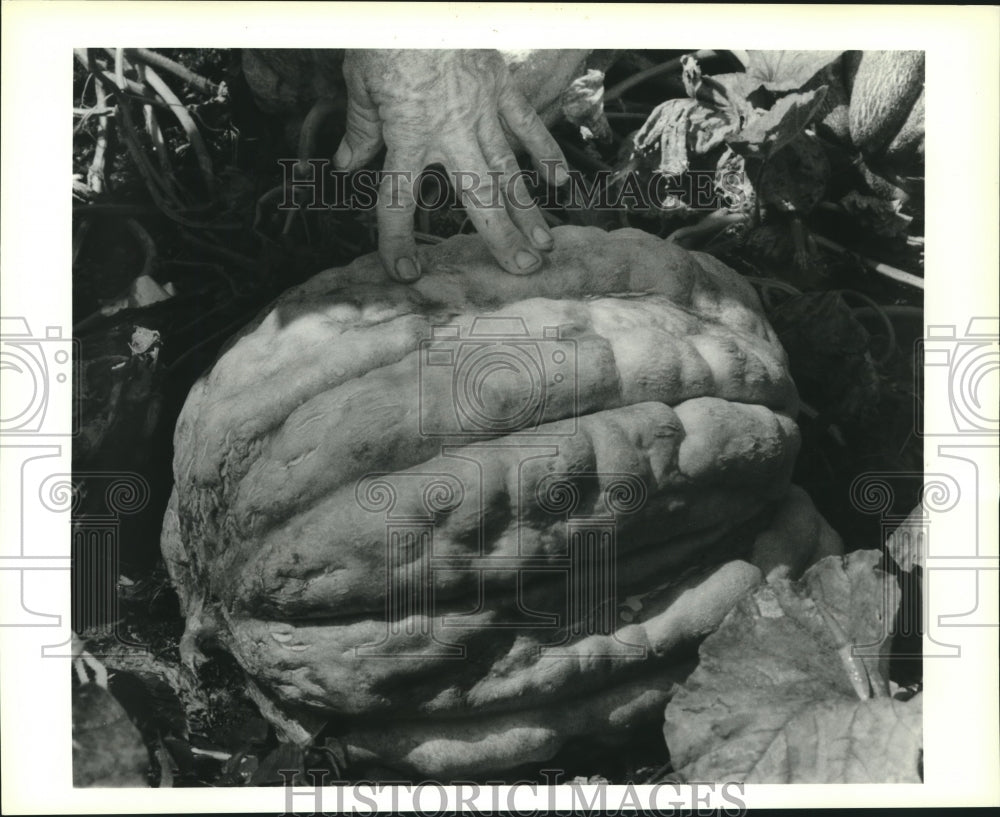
(447, 422)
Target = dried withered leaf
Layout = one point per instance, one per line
(583, 104)
(667, 127)
(907, 544)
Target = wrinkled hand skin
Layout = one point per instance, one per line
(448, 107)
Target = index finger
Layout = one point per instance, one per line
(484, 204)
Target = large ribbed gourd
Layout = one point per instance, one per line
(476, 516)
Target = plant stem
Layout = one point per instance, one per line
(95, 173)
(88, 112)
(155, 134)
(190, 128)
(876, 266)
(166, 64)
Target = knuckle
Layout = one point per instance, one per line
(499, 157)
(523, 121)
(546, 147)
(362, 113)
(358, 133)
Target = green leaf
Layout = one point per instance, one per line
(738, 85)
(108, 751)
(841, 742)
(786, 70)
(791, 688)
(795, 178)
(829, 354)
(885, 217)
(767, 132)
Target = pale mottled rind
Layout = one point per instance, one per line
(680, 385)
(886, 88)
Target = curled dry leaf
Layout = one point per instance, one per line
(907, 544)
(144, 341)
(733, 182)
(583, 104)
(667, 127)
(711, 127)
(682, 128)
(694, 126)
(791, 688)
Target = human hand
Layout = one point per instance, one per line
(431, 107)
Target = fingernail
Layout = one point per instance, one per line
(342, 158)
(561, 175)
(407, 270)
(542, 237)
(525, 259)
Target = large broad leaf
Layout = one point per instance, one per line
(795, 178)
(791, 688)
(882, 216)
(829, 352)
(108, 750)
(150, 701)
(738, 85)
(767, 132)
(785, 70)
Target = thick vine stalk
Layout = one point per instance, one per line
(188, 123)
(144, 55)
